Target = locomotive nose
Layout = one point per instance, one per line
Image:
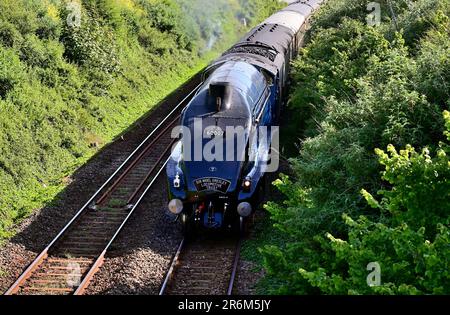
(220, 177)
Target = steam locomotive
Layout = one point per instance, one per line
(216, 170)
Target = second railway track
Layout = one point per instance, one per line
(203, 267)
(69, 262)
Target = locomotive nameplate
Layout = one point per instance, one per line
(212, 184)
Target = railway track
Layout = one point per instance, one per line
(68, 264)
(203, 267)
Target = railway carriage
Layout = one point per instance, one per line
(241, 93)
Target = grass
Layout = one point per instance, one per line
(114, 203)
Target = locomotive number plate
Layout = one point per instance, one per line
(212, 184)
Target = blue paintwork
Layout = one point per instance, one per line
(249, 87)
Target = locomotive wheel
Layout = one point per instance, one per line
(186, 225)
(243, 226)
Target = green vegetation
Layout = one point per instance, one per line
(66, 88)
(256, 11)
(359, 89)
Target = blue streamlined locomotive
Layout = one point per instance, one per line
(216, 169)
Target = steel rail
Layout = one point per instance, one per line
(100, 260)
(142, 184)
(136, 161)
(235, 268)
(176, 259)
(44, 254)
(172, 268)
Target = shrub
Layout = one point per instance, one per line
(409, 262)
(9, 36)
(10, 71)
(91, 45)
(358, 88)
(409, 241)
(411, 245)
(363, 99)
(421, 193)
(433, 75)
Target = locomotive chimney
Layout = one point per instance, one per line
(221, 93)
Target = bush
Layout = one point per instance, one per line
(416, 211)
(410, 263)
(433, 75)
(10, 71)
(91, 45)
(409, 241)
(422, 188)
(9, 36)
(358, 88)
(256, 11)
(362, 96)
